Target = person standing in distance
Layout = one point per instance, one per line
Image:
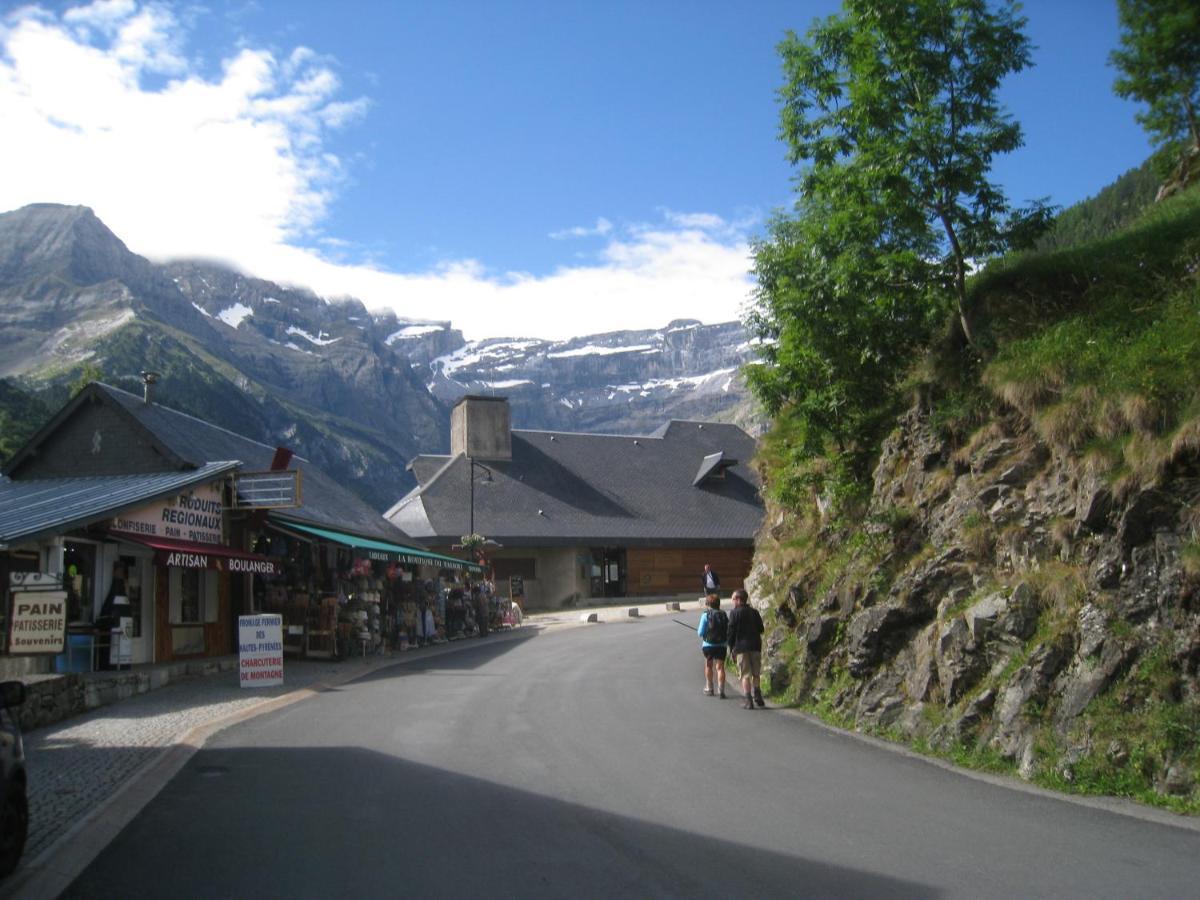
(710, 582)
(744, 638)
(714, 625)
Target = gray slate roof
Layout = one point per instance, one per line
(563, 488)
(32, 508)
(325, 502)
(189, 443)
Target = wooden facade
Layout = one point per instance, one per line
(654, 572)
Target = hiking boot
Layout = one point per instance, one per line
(708, 690)
(748, 703)
(758, 700)
(722, 694)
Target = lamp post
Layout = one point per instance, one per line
(487, 477)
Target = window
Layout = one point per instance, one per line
(193, 596)
(190, 604)
(79, 577)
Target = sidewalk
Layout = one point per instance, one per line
(91, 774)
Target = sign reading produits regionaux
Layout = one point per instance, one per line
(194, 516)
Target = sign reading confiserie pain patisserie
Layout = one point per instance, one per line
(192, 516)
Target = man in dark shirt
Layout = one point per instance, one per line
(710, 582)
(745, 643)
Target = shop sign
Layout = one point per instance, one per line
(260, 650)
(38, 623)
(192, 516)
(236, 565)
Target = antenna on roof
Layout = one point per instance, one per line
(149, 379)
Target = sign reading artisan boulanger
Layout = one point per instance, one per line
(193, 516)
(222, 562)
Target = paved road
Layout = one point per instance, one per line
(587, 763)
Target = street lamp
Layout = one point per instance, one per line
(487, 476)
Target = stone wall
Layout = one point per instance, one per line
(52, 698)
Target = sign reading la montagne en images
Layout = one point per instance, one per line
(193, 516)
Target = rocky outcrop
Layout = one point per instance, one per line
(1013, 601)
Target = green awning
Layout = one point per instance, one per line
(383, 551)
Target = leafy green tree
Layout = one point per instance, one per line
(840, 311)
(892, 107)
(88, 373)
(21, 414)
(900, 96)
(1159, 60)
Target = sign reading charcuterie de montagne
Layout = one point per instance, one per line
(193, 516)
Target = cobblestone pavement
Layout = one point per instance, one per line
(76, 766)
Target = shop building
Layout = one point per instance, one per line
(152, 516)
(589, 516)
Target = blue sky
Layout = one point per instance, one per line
(519, 168)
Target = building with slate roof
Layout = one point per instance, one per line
(118, 491)
(583, 516)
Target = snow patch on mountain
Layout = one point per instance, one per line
(410, 332)
(321, 340)
(477, 353)
(594, 350)
(233, 316)
(673, 384)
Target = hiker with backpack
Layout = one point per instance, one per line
(714, 625)
(744, 636)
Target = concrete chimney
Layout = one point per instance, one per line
(481, 427)
(149, 379)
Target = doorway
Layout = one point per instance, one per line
(608, 571)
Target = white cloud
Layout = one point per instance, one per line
(234, 167)
(228, 167)
(600, 229)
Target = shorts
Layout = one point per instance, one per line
(749, 663)
(714, 652)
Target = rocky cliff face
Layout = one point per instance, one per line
(1006, 602)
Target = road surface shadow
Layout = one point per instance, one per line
(345, 821)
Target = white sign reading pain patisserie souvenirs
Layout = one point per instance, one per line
(194, 516)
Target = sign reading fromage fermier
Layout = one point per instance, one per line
(192, 516)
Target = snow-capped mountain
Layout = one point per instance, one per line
(620, 382)
(358, 393)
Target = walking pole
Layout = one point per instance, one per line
(684, 624)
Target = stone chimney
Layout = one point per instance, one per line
(481, 427)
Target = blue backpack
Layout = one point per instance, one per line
(717, 627)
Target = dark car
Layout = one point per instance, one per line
(14, 814)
